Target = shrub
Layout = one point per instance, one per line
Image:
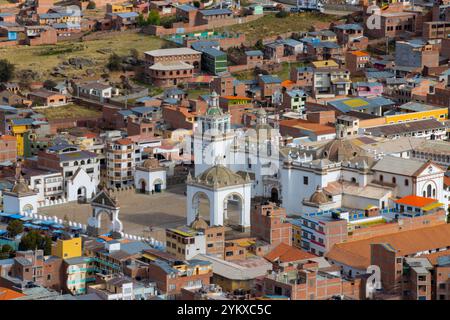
(6, 70)
(91, 5)
(14, 228)
(281, 14)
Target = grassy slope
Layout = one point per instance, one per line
(68, 112)
(38, 59)
(269, 25)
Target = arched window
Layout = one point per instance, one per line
(429, 191)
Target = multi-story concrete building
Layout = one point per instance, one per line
(416, 54)
(120, 163)
(436, 29)
(356, 61)
(171, 275)
(185, 243)
(169, 67)
(308, 282)
(8, 149)
(320, 233)
(268, 222)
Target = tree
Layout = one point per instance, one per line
(47, 245)
(14, 228)
(153, 18)
(134, 53)
(259, 45)
(196, 4)
(6, 251)
(281, 14)
(49, 84)
(6, 70)
(91, 5)
(141, 22)
(114, 62)
(31, 241)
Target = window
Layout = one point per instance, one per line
(305, 180)
(406, 182)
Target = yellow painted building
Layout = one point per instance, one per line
(18, 131)
(119, 8)
(296, 234)
(67, 249)
(440, 114)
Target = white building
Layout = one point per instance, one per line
(219, 185)
(213, 137)
(20, 199)
(150, 177)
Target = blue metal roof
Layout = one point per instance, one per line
(23, 121)
(128, 15)
(144, 99)
(213, 52)
(270, 79)
(142, 110)
(50, 15)
(380, 74)
(213, 12)
(8, 108)
(291, 42)
(171, 101)
(125, 113)
(254, 53)
(349, 26)
(134, 247)
(204, 44)
(187, 7)
(367, 103)
(295, 92)
(16, 216)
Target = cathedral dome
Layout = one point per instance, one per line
(319, 197)
(219, 175)
(151, 164)
(340, 150)
(20, 186)
(199, 224)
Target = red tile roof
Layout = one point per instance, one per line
(286, 253)
(415, 201)
(446, 181)
(8, 294)
(124, 141)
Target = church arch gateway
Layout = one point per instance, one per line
(103, 203)
(224, 190)
(233, 208)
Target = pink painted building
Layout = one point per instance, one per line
(367, 89)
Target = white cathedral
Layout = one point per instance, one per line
(330, 174)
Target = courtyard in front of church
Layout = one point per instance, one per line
(145, 215)
(141, 214)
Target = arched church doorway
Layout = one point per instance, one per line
(274, 195)
(158, 185)
(201, 205)
(104, 221)
(142, 186)
(232, 207)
